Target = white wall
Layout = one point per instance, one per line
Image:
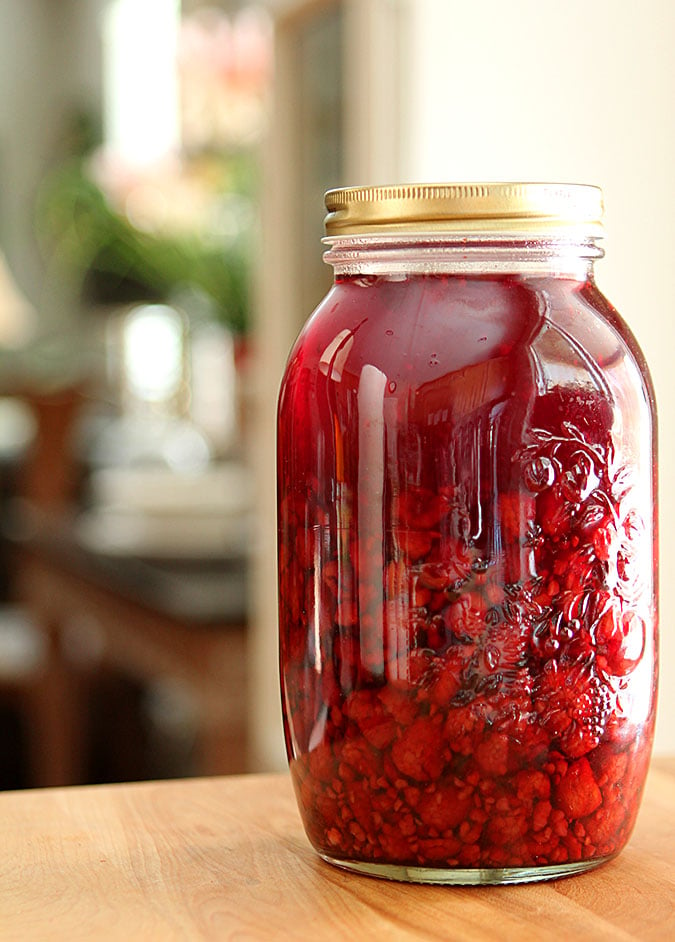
(50, 63)
(579, 92)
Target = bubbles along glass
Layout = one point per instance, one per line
(467, 541)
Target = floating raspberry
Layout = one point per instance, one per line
(609, 766)
(364, 802)
(449, 568)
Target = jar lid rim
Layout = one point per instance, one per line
(418, 207)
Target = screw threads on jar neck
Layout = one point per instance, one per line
(562, 253)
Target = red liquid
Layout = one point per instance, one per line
(466, 564)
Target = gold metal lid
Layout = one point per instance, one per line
(453, 207)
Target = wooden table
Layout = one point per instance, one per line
(227, 859)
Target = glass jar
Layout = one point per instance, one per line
(467, 549)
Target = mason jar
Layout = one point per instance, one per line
(467, 540)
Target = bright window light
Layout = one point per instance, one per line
(141, 87)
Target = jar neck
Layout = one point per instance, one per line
(561, 255)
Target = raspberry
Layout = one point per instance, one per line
(507, 828)
(374, 721)
(414, 544)
(577, 793)
(358, 755)
(492, 754)
(463, 728)
(418, 507)
(554, 512)
(531, 785)
(465, 620)
(541, 812)
(397, 700)
(443, 807)
(363, 803)
(609, 766)
(440, 851)
(448, 568)
(417, 753)
(579, 570)
(321, 763)
(445, 676)
(572, 705)
(603, 826)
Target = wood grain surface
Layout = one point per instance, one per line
(226, 859)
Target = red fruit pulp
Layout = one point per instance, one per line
(466, 563)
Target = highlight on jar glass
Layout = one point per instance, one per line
(467, 541)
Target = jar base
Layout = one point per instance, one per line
(467, 876)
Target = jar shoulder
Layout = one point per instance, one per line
(415, 329)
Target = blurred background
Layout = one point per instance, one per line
(162, 169)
